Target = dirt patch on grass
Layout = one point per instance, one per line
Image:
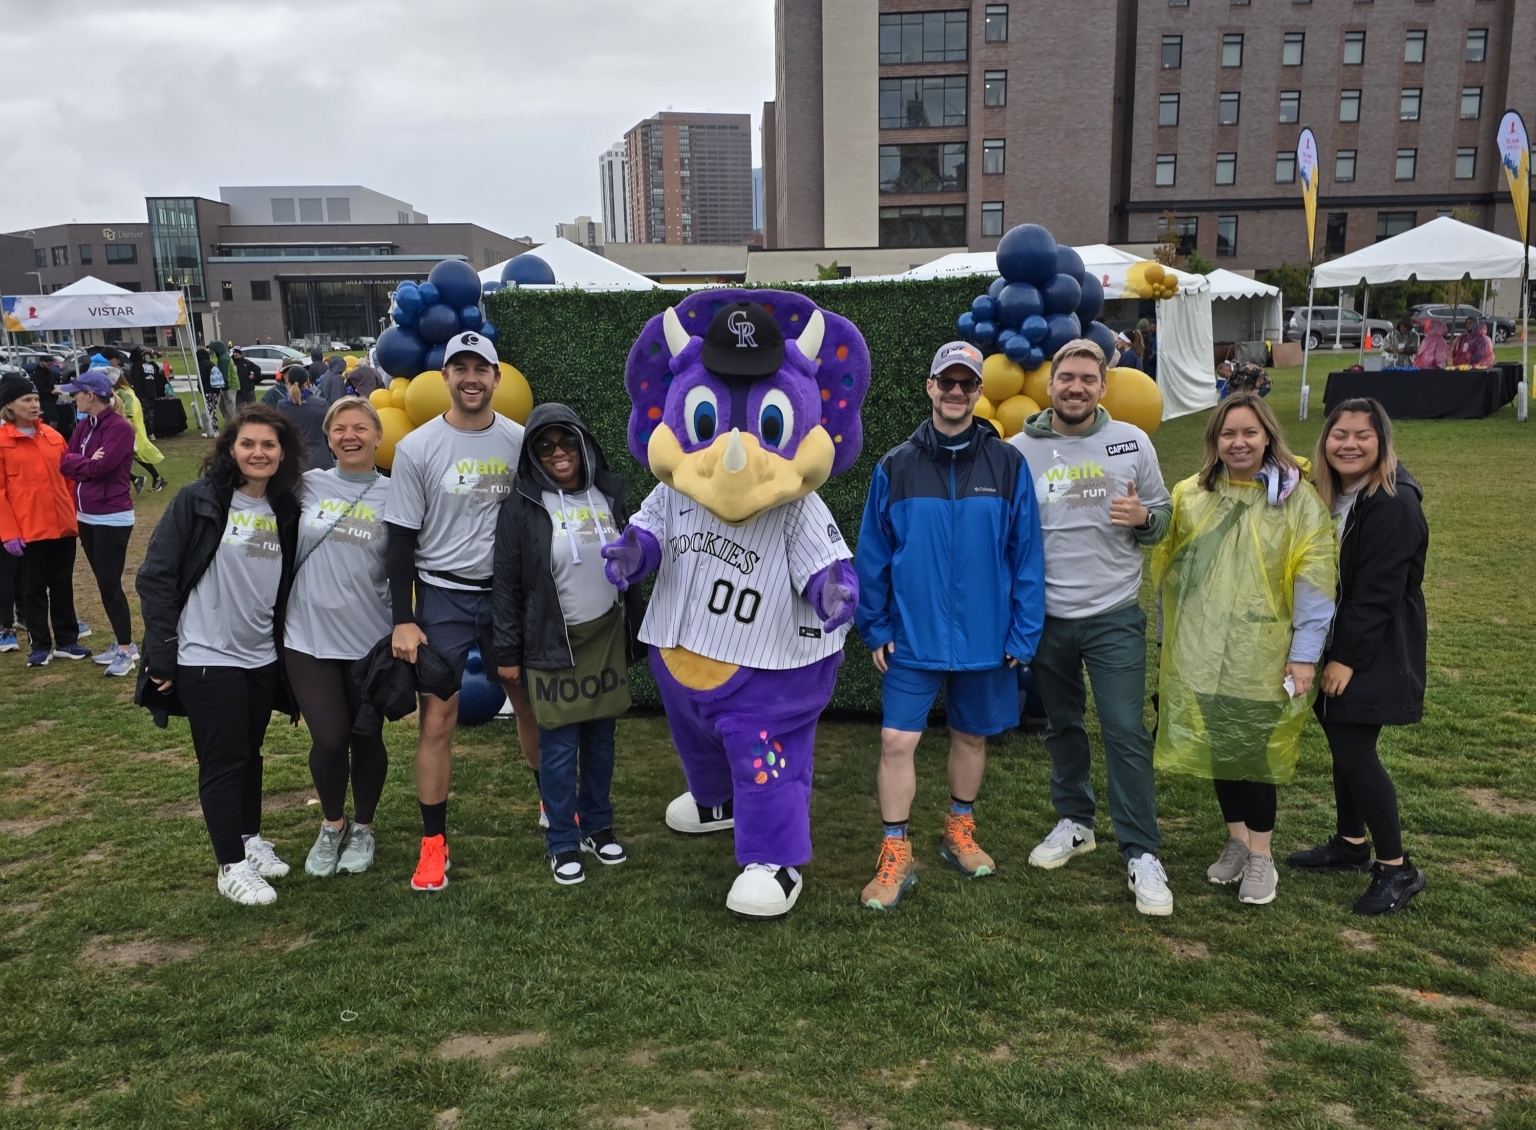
(1357, 940)
(103, 953)
(1341, 1114)
(487, 1047)
(906, 1077)
(279, 802)
(1221, 1043)
(16, 1093)
(190, 806)
(1470, 1096)
(174, 756)
(1325, 1027)
(22, 828)
(1495, 803)
(1490, 867)
(38, 681)
(678, 1118)
(1519, 961)
(641, 1057)
(1184, 950)
(41, 726)
(447, 1119)
(1449, 1002)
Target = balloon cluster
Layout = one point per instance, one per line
(1151, 280)
(427, 315)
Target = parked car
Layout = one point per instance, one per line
(364, 343)
(273, 359)
(1325, 324)
(1455, 319)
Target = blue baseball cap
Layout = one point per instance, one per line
(94, 381)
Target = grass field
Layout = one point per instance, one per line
(131, 995)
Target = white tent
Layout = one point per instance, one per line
(1244, 309)
(575, 266)
(92, 285)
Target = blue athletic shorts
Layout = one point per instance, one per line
(454, 621)
(977, 702)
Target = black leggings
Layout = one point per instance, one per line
(228, 709)
(329, 700)
(154, 472)
(106, 548)
(1248, 802)
(1362, 789)
(10, 591)
(48, 593)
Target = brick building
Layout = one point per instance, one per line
(690, 178)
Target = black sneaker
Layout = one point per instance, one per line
(1391, 888)
(158, 485)
(1338, 854)
(566, 866)
(138, 483)
(604, 846)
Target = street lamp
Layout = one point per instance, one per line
(39, 275)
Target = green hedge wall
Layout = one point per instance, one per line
(571, 345)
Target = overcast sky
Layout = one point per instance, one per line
(494, 112)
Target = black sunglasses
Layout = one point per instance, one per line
(966, 385)
(545, 445)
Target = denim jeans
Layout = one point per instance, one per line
(565, 797)
(1113, 648)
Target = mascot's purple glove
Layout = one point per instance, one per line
(834, 594)
(14, 546)
(635, 554)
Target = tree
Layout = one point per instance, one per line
(1198, 264)
(828, 273)
(1169, 237)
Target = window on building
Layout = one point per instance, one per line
(1226, 113)
(1188, 228)
(1167, 169)
(907, 103)
(1349, 105)
(1334, 232)
(1354, 48)
(1413, 45)
(1471, 102)
(923, 168)
(1344, 166)
(1178, 3)
(995, 92)
(1290, 105)
(134, 286)
(992, 152)
(1389, 224)
(1226, 168)
(310, 211)
(1408, 104)
(282, 210)
(1477, 44)
(929, 225)
(1226, 237)
(991, 217)
(40, 257)
(1293, 48)
(85, 253)
(1407, 159)
(995, 29)
(122, 253)
(1173, 52)
(1167, 109)
(402, 217)
(227, 290)
(60, 255)
(338, 209)
(1285, 167)
(1232, 49)
(1466, 162)
(175, 244)
(928, 37)
(261, 290)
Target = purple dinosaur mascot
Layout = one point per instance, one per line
(744, 402)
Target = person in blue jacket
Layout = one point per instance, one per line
(952, 597)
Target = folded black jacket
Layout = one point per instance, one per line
(388, 685)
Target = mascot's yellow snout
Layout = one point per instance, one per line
(735, 478)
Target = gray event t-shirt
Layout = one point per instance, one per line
(340, 605)
(450, 485)
(227, 621)
(583, 522)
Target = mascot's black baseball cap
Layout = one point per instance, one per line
(743, 340)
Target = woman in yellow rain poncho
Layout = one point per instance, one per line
(145, 453)
(1246, 577)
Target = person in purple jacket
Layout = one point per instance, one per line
(99, 464)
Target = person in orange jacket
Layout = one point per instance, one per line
(37, 522)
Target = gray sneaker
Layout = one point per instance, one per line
(123, 663)
(1259, 880)
(357, 852)
(1228, 867)
(327, 850)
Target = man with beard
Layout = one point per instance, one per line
(1101, 498)
(449, 479)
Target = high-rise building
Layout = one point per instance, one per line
(584, 231)
(613, 191)
(690, 178)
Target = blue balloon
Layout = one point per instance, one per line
(491, 287)
(408, 298)
(1062, 295)
(1034, 359)
(401, 317)
(986, 332)
(965, 325)
(470, 317)
(1018, 348)
(1004, 336)
(480, 696)
(457, 283)
(1035, 328)
(1027, 253)
(434, 358)
(983, 309)
(1102, 336)
(1069, 262)
(429, 295)
(1092, 303)
(996, 288)
(1064, 328)
(437, 324)
(400, 352)
(1017, 302)
(488, 331)
(528, 270)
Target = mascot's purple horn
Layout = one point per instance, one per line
(742, 446)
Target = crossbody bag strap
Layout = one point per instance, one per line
(345, 513)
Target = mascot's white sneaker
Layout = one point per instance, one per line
(763, 891)
(691, 818)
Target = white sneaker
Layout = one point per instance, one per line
(688, 816)
(245, 885)
(1149, 883)
(262, 855)
(764, 891)
(1067, 839)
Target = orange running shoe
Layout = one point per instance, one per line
(895, 875)
(432, 867)
(958, 847)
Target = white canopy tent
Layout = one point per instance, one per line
(1244, 309)
(575, 266)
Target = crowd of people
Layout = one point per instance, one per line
(293, 576)
(1405, 348)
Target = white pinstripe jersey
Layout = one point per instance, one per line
(736, 593)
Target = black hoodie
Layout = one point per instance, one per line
(525, 602)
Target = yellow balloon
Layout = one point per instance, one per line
(381, 398)
(351, 363)
(1133, 397)
(397, 389)
(427, 397)
(996, 425)
(513, 397)
(1154, 273)
(1012, 413)
(1001, 378)
(397, 425)
(984, 408)
(1035, 382)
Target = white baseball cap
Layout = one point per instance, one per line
(470, 342)
(956, 353)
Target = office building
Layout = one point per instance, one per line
(584, 231)
(690, 178)
(613, 192)
(251, 206)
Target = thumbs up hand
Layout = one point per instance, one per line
(1128, 511)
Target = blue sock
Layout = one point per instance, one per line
(961, 807)
(898, 829)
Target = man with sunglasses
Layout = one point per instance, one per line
(952, 598)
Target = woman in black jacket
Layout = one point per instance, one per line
(561, 623)
(1373, 673)
(213, 589)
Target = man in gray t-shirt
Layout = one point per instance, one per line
(1101, 498)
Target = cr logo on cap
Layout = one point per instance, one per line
(741, 325)
(470, 339)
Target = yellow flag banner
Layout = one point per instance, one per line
(1306, 166)
(1515, 156)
